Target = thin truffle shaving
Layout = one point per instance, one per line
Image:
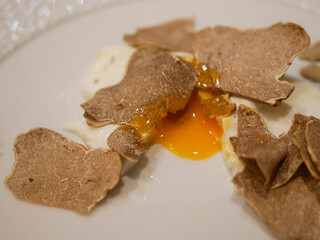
(312, 134)
(153, 77)
(252, 61)
(290, 211)
(293, 160)
(174, 35)
(254, 142)
(52, 170)
(128, 143)
(299, 139)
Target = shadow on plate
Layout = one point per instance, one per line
(127, 184)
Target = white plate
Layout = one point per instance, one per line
(164, 197)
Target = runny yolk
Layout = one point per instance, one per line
(188, 133)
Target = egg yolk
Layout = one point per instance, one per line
(188, 133)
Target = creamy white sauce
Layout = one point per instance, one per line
(93, 137)
(108, 69)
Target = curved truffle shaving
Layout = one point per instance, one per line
(293, 160)
(312, 134)
(155, 80)
(251, 61)
(127, 142)
(52, 170)
(174, 35)
(299, 139)
(291, 211)
(254, 142)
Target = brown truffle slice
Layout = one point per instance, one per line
(174, 35)
(312, 135)
(127, 142)
(299, 140)
(52, 170)
(293, 160)
(256, 143)
(155, 80)
(311, 72)
(251, 61)
(290, 211)
(91, 121)
(313, 53)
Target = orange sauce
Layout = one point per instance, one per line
(207, 76)
(261, 139)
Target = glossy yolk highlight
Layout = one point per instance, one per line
(188, 133)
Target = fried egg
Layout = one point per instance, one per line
(192, 137)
